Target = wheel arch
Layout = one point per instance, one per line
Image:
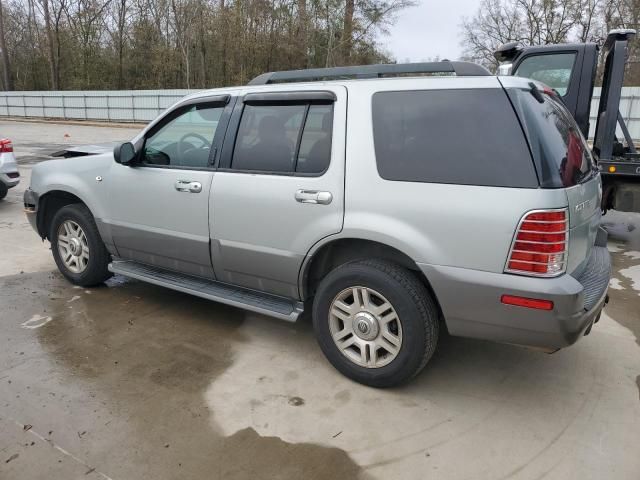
(338, 251)
(49, 203)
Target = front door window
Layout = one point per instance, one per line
(185, 140)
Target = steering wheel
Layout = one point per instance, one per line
(184, 146)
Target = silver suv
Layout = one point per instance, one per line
(391, 208)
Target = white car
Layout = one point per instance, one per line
(9, 175)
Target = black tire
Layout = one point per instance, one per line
(414, 306)
(96, 270)
(3, 190)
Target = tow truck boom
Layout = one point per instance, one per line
(571, 70)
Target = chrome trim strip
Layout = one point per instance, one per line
(545, 221)
(562, 252)
(540, 243)
(531, 262)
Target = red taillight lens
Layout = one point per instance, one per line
(527, 302)
(542, 247)
(551, 216)
(543, 227)
(541, 237)
(540, 244)
(5, 145)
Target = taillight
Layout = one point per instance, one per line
(5, 145)
(539, 247)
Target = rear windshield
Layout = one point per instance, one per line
(468, 137)
(562, 156)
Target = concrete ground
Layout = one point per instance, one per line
(133, 381)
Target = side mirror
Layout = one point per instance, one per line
(124, 153)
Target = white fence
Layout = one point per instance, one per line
(111, 106)
(145, 105)
(629, 108)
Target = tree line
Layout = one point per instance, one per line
(541, 22)
(137, 44)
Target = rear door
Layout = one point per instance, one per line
(279, 187)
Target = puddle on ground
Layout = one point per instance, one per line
(624, 291)
(151, 383)
(128, 364)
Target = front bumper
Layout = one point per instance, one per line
(470, 302)
(31, 199)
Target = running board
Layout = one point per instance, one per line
(267, 304)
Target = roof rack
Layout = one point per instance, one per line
(461, 69)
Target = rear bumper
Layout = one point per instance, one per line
(9, 179)
(470, 302)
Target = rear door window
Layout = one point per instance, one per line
(267, 138)
(559, 149)
(284, 139)
(469, 137)
(315, 144)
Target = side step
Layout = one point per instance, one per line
(267, 304)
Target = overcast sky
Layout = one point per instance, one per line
(431, 28)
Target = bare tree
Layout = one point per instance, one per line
(53, 61)
(587, 21)
(118, 32)
(494, 24)
(186, 43)
(6, 63)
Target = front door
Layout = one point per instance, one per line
(279, 187)
(160, 204)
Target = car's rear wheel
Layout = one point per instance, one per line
(3, 190)
(77, 247)
(376, 322)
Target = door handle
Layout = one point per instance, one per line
(313, 196)
(188, 186)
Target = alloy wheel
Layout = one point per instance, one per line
(73, 246)
(365, 327)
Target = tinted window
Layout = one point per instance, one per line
(185, 140)
(467, 137)
(558, 147)
(267, 138)
(315, 145)
(551, 69)
(270, 138)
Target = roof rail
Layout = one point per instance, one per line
(371, 71)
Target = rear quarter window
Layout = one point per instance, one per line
(559, 149)
(469, 137)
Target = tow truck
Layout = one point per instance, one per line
(570, 69)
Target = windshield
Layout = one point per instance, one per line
(552, 69)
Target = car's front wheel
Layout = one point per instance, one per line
(77, 247)
(375, 322)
